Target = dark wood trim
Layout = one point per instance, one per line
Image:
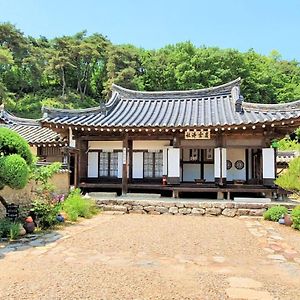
(202, 163)
(247, 163)
(130, 150)
(125, 165)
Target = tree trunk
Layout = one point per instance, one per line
(4, 203)
(63, 81)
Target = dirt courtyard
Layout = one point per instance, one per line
(158, 257)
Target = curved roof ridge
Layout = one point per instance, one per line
(10, 118)
(127, 93)
(275, 106)
(65, 111)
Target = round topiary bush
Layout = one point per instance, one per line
(15, 160)
(274, 213)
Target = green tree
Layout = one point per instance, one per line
(15, 160)
(290, 179)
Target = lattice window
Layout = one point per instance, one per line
(103, 164)
(158, 167)
(153, 164)
(113, 168)
(148, 164)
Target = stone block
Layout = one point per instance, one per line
(215, 211)
(137, 211)
(162, 209)
(137, 207)
(114, 208)
(179, 204)
(149, 208)
(257, 212)
(173, 210)
(229, 212)
(191, 204)
(243, 212)
(184, 211)
(198, 211)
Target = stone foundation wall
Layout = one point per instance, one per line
(195, 208)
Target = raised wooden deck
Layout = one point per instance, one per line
(176, 190)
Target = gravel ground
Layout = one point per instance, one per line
(156, 257)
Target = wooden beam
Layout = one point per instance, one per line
(125, 165)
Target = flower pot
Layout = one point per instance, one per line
(29, 227)
(287, 220)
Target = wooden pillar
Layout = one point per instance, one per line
(82, 159)
(125, 165)
(130, 154)
(76, 176)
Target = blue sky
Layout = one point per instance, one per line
(260, 24)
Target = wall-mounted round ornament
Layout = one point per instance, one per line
(228, 164)
(239, 164)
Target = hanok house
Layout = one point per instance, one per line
(207, 140)
(45, 143)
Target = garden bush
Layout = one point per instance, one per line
(275, 213)
(9, 229)
(76, 206)
(296, 217)
(45, 213)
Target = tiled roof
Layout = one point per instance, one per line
(209, 107)
(286, 156)
(30, 130)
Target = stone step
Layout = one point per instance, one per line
(141, 196)
(101, 195)
(251, 200)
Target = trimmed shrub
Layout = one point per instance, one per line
(9, 229)
(296, 217)
(15, 159)
(76, 206)
(45, 213)
(274, 213)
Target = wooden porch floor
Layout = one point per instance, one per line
(182, 188)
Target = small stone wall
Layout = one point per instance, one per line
(25, 196)
(195, 208)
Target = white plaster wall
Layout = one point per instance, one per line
(137, 165)
(71, 140)
(150, 145)
(105, 145)
(191, 172)
(217, 163)
(209, 174)
(234, 154)
(268, 163)
(92, 164)
(174, 162)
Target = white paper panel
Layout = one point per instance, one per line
(174, 162)
(92, 164)
(268, 163)
(137, 165)
(120, 164)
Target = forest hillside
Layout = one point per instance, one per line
(78, 71)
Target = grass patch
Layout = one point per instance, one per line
(76, 206)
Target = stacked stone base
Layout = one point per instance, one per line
(194, 208)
